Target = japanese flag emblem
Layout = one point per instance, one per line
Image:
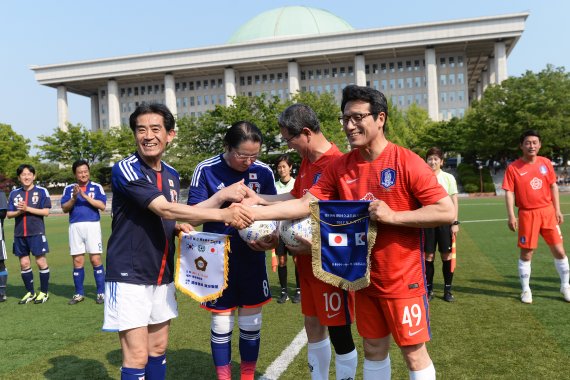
(338, 240)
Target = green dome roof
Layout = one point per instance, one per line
(289, 21)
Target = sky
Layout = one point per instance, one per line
(59, 31)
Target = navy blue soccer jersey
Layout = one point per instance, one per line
(82, 210)
(141, 246)
(29, 224)
(214, 174)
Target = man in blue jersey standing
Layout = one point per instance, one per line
(83, 201)
(139, 289)
(3, 256)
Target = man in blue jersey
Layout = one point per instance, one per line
(83, 201)
(139, 289)
(29, 204)
(3, 257)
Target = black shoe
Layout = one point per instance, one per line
(430, 296)
(297, 297)
(448, 297)
(283, 298)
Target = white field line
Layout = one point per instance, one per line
(490, 220)
(279, 365)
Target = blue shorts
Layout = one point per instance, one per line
(248, 285)
(36, 244)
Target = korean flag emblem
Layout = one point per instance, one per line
(387, 178)
(338, 240)
(360, 238)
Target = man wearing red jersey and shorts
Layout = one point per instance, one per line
(325, 307)
(530, 184)
(405, 197)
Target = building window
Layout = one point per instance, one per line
(451, 62)
(401, 83)
(220, 83)
(410, 82)
(319, 75)
(442, 61)
(443, 79)
(199, 100)
(391, 65)
(191, 86)
(460, 78)
(176, 86)
(303, 77)
(409, 65)
(376, 85)
(241, 81)
(443, 97)
(212, 83)
(400, 66)
(392, 84)
(205, 84)
(280, 77)
(350, 70)
(129, 91)
(384, 84)
(342, 72)
(401, 100)
(264, 78)
(416, 65)
(272, 78)
(249, 80)
(383, 68)
(375, 68)
(460, 61)
(367, 69)
(460, 96)
(451, 79)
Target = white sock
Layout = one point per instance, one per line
(427, 373)
(524, 274)
(319, 356)
(563, 270)
(377, 369)
(346, 364)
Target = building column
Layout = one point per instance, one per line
(431, 81)
(114, 110)
(485, 79)
(479, 90)
(230, 85)
(95, 126)
(500, 61)
(492, 71)
(293, 72)
(62, 108)
(170, 94)
(360, 69)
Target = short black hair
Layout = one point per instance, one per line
(79, 163)
(375, 98)
(298, 116)
(529, 132)
(157, 108)
(25, 166)
(241, 131)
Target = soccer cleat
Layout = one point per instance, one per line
(2, 297)
(297, 297)
(565, 290)
(430, 296)
(448, 297)
(100, 299)
(526, 296)
(41, 298)
(29, 297)
(76, 299)
(283, 298)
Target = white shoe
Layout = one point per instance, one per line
(566, 293)
(526, 296)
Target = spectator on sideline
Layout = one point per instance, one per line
(441, 236)
(83, 201)
(530, 184)
(29, 204)
(139, 289)
(3, 256)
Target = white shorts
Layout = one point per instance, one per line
(128, 306)
(85, 237)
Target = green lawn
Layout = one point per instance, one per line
(486, 334)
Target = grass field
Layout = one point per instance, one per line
(486, 334)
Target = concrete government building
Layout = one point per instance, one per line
(441, 66)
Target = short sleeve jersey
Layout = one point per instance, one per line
(309, 174)
(82, 210)
(530, 182)
(448, 182)
(404, 181)
(29, 224)
(283, 188)
(3, 209)
(141, 245)
(214, 174)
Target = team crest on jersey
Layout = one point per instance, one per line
(255, 186)
(543, 170)
(252, 176)
(316, 178)
(35, 198)
(536, 183)
(91, 194)
(387, 178)
(170, 183)
(173, 196)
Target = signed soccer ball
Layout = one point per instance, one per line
(288, 229)
(259, 230)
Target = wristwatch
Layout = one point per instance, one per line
(456, 223)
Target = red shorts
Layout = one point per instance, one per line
(535, 221)
(406, 319)
(333, 306)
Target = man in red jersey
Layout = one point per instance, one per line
(325, 307)
(405, 197)
(530, 183)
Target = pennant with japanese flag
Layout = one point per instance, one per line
(202, 265)
(343, 237)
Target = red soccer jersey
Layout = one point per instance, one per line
(309, 174)
(530, 183)
(404, 181)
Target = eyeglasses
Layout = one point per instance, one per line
(290, 138)
(245, 157)
(356, 118)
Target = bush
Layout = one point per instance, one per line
(471, 188)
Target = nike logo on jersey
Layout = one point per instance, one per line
(523, 173)
(329, 316)
(349, 181)
(410, 333)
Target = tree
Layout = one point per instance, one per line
(14, 150)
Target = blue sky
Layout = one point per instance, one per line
(58, 31)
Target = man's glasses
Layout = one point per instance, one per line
(245, 157)
(356, 118)
(290, 138)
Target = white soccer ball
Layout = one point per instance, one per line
(259, 230)
(289, 229)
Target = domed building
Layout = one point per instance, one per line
(441, 66)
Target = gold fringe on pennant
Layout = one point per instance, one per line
(194, 296)
(317, 263)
